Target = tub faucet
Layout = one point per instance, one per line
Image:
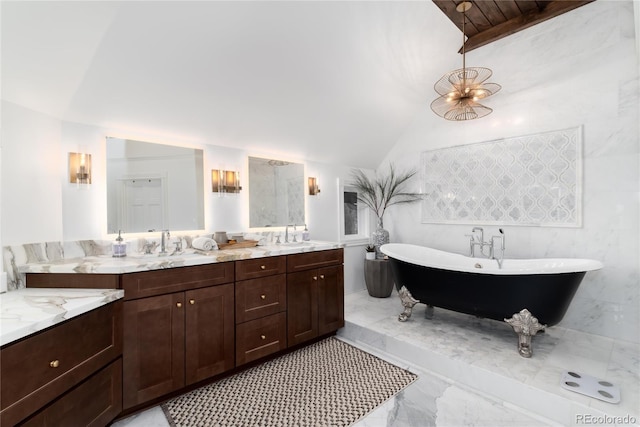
(481, 230)
(163, 241)
(475, 240)
(493, 248)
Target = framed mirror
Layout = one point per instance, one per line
(153, 187)
(276, 193)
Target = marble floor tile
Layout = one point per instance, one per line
(153, 417)
(481, 355)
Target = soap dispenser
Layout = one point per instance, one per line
(305, 234)
(119, 247)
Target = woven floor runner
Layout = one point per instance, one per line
(329, 383)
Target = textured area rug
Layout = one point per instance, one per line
(329, 383)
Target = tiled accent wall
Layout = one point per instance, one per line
(525, 180)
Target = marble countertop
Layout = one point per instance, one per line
(135, 262)
(26, 311)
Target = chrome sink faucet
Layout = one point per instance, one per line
(286, 233)
(164, 240)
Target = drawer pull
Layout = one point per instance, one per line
(315, 277)
(264, 337)
(263, 267)
(192, 301)
(263, 296)
(178, 304)
(322, 276)
(54, 363)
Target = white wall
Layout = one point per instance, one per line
(558, 75)
(31, 176)
(40, 205)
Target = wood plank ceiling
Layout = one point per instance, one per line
(491, 20)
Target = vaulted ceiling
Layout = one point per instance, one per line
(332, 81)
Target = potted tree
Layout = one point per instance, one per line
(379, 193)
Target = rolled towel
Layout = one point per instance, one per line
(204, 244)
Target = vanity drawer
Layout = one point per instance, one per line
(261, 337)
(260, 297)
(317, 259)
(158, 282)
(260, 267)
(95, 402)
(42, 367)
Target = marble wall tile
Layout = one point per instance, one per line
(536, 65)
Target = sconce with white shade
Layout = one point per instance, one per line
(79, 168)
(223, 181)
(313, 186)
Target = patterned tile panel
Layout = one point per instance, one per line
(525, 180)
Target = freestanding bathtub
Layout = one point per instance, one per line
(526, 293)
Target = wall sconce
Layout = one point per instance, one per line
(313, 187)
(79, 168)
(225, 181)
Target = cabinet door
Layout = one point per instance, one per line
(302, 306)
(153, 353)
(210, 323)
(330, 299)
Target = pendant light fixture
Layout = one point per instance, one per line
(460, 90)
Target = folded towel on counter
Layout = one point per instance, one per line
(262, 240)
(204, 244)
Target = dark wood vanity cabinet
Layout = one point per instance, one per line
(175, 339)
(261, 305)
(68, 374)
(315, 295)
(183, 325)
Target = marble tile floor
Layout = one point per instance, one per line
(479, 357)
(471, 374)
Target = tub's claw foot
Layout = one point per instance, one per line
(526, 326)
(428, 313)
(407, 302)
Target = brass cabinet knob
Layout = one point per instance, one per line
(315, 277)
(263, 267)
(178, 304)
(54, 363)
(263, 296)
(192, 301)
(322, 276)
(264, 337)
